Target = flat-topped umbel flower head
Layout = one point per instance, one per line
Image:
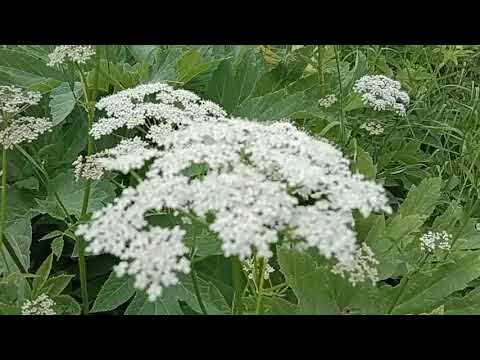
(382, 94)
(14, 100)
(79, 54)
(17, 129)
(262, 184)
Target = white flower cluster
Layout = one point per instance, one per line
(79, 54)
(382, 93)
(327, 101)
(249, 269)
(362, 268)
(128, 155)
(14, 99)
(433, 240)
(87, 168)
(372, 128)
(157, 106)
(153, 257)
(264, 183)
(42, 305)
(24, 129)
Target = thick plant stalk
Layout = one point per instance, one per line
(237, 277)
(259, 308)
(342, 115)
(82, 266)
(321, 73)
(3, 205)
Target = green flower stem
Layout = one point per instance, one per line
(259, 309)
(238, 285)
(3, 205)
(321, 73)
(193, 275)
(90, 107)
(342, 114)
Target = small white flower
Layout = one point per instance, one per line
(79, 54)
(42, 305)
(249, 269)
(372, 128)
(435, 240)
(327, 101)
(382, 94)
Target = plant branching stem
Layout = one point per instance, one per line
(90, 107)
(321, 73)
(259, 308)
(238, 285)
(342, 115)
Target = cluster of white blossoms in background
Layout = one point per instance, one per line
(79, 54)
(372, 128)
(157, 106)
(327, 101)
(249, 269)
(14, 99)
(42, 305)
(128, 155)
(361, 269)
(382, 93)
(263, 183)
(24, 129)
(87, 168)
(435, 240)
(16, 130)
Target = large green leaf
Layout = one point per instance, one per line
(167, 304)
(426, 290)
(422, 200)
(62, 101)
(18, 231)
(55, 285)
(66, 305)
(215, 303)
(190, 65)
(114, 292)
(388, 241)
(143, 53)
(320, 292)
(467, 305)
(71, 192)
(41, 276)
(26, 70)
(19, 235)
(68, 139)
(364, 163)
(206, 242)
(234, 81)
(165, 66)
(280, 105)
